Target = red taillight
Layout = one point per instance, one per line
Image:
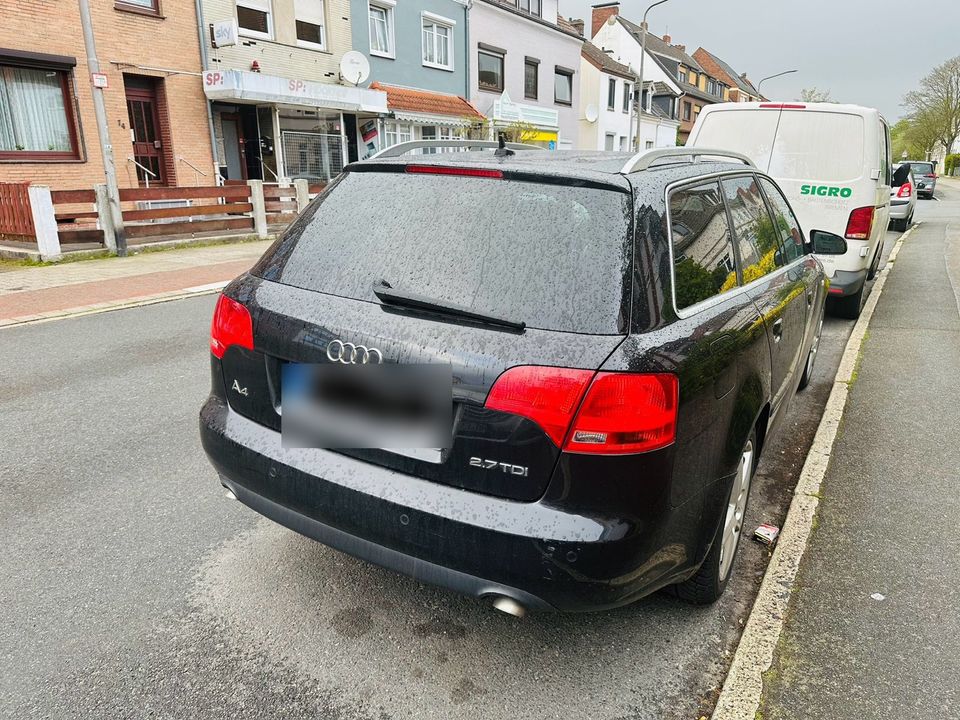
(441, 170)
(620, 412)
(547, 395)
(782, 106)
(905, 190)
(626, 413)
(232, 325)
(860, 223)
(931, 175)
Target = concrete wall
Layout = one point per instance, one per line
(407, 67)
(167, 41)
(525, 37)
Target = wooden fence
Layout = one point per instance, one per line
(16, 219)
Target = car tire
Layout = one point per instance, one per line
(848, 307)
(811, 357)
(711, 579)
(872, 272)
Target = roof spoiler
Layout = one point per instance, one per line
(644, 160)
(405, 147)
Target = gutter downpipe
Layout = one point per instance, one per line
(204, 63)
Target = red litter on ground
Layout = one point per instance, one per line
(767, 534)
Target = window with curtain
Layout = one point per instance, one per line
(310, 23)
(490, 71)
(381, 30)
(145, 4)
(437, 41)
(254, 18)
(530, 72)
(36, 120)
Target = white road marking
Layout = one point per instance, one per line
(741, 694)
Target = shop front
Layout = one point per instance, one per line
(274, 128)
(537, 125)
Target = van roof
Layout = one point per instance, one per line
(794, 105)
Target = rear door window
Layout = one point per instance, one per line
(826, 146)
(703, 258)
(553, 256)
(921, 169)
(791, 238)
(757, 238)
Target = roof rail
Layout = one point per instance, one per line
(643, 160)
(405, 147)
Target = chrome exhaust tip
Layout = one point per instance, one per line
(509, 606)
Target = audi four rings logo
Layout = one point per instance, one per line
(350, 354)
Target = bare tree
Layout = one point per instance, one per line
(938, 101)
(814, 94)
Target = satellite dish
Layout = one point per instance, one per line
(354, 67)
(591, 113)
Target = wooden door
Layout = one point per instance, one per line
(148, 147)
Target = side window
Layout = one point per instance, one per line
(703, 260)
(757, 239)
(791, 238)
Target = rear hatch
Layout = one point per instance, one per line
(543, 252)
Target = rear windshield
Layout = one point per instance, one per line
(553, 256)
(921, 169)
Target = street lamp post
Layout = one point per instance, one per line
(635, 141)
(771, 77)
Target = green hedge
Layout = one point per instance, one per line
(950, 163)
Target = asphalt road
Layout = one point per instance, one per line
(132, 588)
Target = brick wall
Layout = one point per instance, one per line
(168, 42)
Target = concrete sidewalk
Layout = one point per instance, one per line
(35, 293)
(873, 629)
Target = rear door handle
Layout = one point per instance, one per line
(778, 329)
(809, 297)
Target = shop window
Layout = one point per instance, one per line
(490, 70)
(437, 50)
(531, 68)
(36, 115)
(310, 23)
(381, 29)
(254, 18)
(563, 86)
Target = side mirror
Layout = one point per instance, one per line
(825, 243)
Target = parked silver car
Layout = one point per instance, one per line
(925, 174)
(903, 196)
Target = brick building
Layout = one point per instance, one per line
(156, 110)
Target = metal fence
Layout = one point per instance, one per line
(312, 156)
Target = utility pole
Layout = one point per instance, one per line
(643, 57)
(106, 148)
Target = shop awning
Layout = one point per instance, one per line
(430, 108)
(239, 86)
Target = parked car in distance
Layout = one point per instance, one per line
(903, 197)
(833, 163)
(925, 174)
(620, 338)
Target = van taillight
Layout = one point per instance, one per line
(860, 223)
(619, 412)
(905, 190)
(232, 325)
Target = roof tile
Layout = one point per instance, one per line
(424, 101)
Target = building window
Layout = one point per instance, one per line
(490, 71)
(150, 6)
(608, 141)
(686, 111)
(649, 144)
(530, 6)
(563, 86)
(437, 42)
(531, 67)
(36, 115)
(623, 143)
(682, 74)
(254, 18)
(626, 96)
(611, 94)
(381, 29)
(395, 133)
(309, 19)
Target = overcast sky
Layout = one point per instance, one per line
(844, 46)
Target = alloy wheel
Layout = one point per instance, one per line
(736, 508)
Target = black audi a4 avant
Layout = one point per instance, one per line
(540, 378)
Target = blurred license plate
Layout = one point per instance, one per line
(404, 408)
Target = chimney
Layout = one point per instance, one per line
(667, 39)
(602, 13)
(577, 25)
(681, 48)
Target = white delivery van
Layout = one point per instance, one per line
(832, 162)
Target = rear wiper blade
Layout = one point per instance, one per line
(392, 296)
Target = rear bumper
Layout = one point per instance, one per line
(542, 556)
(899, 209)
(845, 282)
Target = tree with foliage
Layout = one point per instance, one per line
(814, 94)
(937, 102)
